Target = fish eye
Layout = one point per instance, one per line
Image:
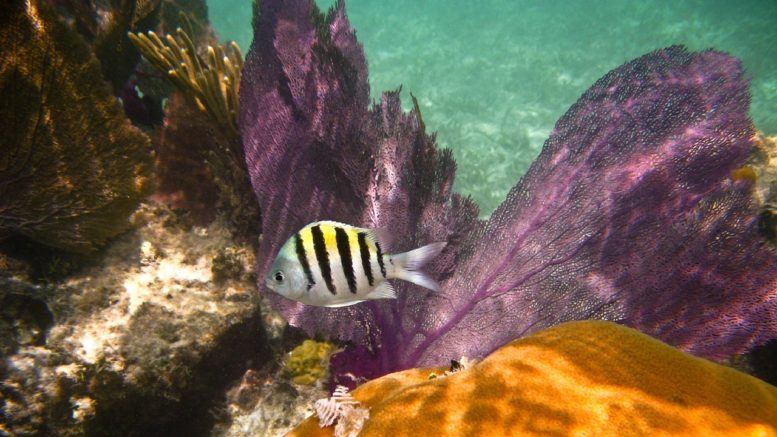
(278, 276)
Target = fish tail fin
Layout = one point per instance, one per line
(407, 265)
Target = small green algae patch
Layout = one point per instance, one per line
(309, 362)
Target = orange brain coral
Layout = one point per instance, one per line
(579, 378)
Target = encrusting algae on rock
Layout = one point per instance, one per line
(589, 377)
(309, 362)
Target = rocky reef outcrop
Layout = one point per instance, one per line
(144, 342)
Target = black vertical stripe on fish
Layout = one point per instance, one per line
(303, 260)
(380, 260)
(319, 245)
(365, 252)
(344, 249)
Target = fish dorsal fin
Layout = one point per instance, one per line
(382, 291)
(332, 223)
(382, 236)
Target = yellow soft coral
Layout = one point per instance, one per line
(212, 83)
(579, 378)
(309, 362)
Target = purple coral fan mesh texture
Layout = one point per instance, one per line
(302, 105)
(628, 214)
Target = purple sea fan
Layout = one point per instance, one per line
(315, 151)
(628, 214)
(302, 105)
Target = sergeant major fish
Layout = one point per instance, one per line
(333, 265)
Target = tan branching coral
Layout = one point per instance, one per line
(208, 133)
(72, 168)
(213, 83)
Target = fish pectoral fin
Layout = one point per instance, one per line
(382, 291)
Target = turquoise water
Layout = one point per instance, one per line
(492, 77)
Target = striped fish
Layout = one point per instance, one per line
(333, 264)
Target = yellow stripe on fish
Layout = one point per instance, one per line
(333, 264)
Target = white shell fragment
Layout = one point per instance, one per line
(344, 409)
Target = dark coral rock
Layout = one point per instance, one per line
(25, 316)
(118, 57)
(196, 11)
(29, 318)
(104, 26)
(201, 170)
(72, 167)
(227, 264)
(183, 180)
(143, 111)
(763, 362)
